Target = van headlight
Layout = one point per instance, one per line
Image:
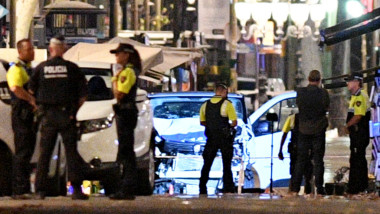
(88, 126)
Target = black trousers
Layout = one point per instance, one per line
(310, 147)
(126, 121)
(358, 177)
(215, 142)
(25, 141)
(57, 120)
(308, 173)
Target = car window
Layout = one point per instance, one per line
(185, 107)
(283, 109)
(98, 83)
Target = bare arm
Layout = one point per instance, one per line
(234, 123)
(280, 155)
(21, 93)
(353, 121)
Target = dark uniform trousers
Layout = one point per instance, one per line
(56, 119)
(292, 149)
(216, 141)
(25, 141)
(126, 120)
(309, 147)
(358, 176)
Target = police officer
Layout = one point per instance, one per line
(60, 89)
(358, 128)
(125, 89)
(215, 115)
(23, 104)
(292, 124)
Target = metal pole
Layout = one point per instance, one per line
(124, 22)
(271, 162)
(147, 14)
(112, 19)
(135, 15)
(233, 46)
(12, 26)
(158, 14)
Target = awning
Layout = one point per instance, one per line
(126, 40)
(150, 79)
(174, 57)
(101, 53)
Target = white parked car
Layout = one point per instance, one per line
(180, 142)
(98, 138)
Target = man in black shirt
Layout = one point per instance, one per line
(313, 103)
(60, 89)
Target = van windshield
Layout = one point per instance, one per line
(98, 83)
(185, 107)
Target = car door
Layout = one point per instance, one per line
(265, 132)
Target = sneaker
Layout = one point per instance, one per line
(25, 196)
(79, 196)
(40, 196)
(122, 196)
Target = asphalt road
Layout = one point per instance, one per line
(245, 203)
(337, 155)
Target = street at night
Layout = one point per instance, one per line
(337, 155)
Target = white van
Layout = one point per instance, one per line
(97, 142)
(180, 142)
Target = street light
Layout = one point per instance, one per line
(354, 8)
(261, 12)
(280, 13)
(243, 13)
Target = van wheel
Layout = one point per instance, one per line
(146, 176)
(5, 170)
(251, 178)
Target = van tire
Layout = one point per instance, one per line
(5, 170)
(254, 181)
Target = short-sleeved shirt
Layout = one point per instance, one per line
(17, 75)
(289, 123)
(126, 79)
(227, 109)
(359, 103)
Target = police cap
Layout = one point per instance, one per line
(354, 76)
(123, 48)
(221, 85)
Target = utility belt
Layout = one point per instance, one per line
(124, 106)
(226, 133)
(66, 109)
(56, 115)
(22, 109)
